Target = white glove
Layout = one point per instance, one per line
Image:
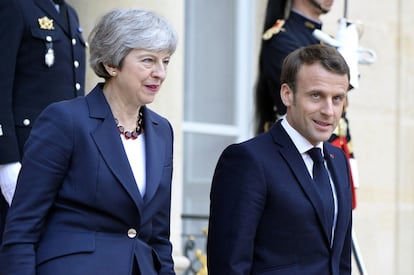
(8, 179)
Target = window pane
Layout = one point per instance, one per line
(209, 50)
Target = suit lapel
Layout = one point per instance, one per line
(294, 159)
(154, 146)
(110, 146)
(339, 176)
(72, 22)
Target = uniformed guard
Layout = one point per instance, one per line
(289, 25)
(43, 61)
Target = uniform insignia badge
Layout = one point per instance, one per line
(50, 53)
(46, 23)
(276, 28)
(50, 57)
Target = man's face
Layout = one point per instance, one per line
(317, 104)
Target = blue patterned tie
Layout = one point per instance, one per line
(323, 184)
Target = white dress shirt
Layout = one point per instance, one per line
(135, 151)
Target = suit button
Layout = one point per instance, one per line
(73, 41)
(77, 86)
(49, 38)
(76, 63)
(26, 122)
(132, 233)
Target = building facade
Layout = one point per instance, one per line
(208, 97)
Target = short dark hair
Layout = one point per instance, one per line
(327, 56)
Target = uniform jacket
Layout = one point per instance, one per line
(297, 32)
(266, 216)
(77, 209)
(27, 84)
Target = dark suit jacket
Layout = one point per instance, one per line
(266, 216)
(27, 84)
(77, 209)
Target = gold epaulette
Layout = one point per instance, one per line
(276, 28)
(341, 129)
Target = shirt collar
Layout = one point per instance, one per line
(300, 142)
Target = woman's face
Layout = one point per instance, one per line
(139, 78)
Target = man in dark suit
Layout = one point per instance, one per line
(270, 212)
(43, 61)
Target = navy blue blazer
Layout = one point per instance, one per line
(77, 208)
(263, 194)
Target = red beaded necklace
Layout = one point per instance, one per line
(138, 130)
